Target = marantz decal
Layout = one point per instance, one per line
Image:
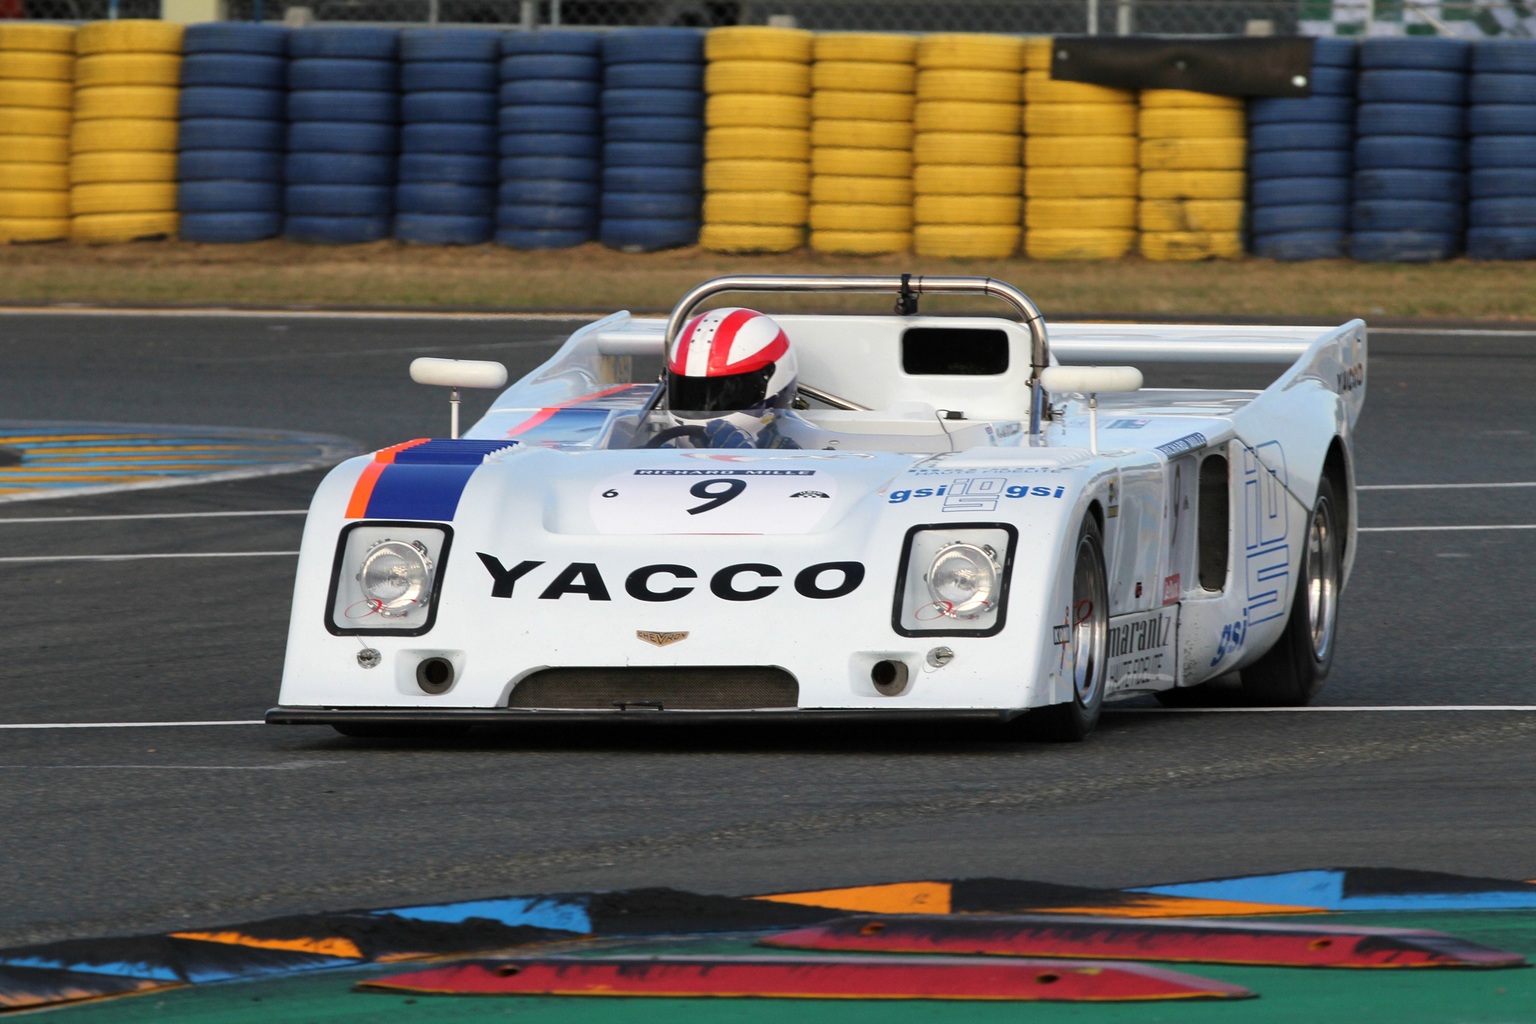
(744, 581)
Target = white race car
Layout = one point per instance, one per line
(976, 519)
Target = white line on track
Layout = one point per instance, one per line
(135, 558)
(285, 314)
(286, 767)
(1378, 708)
(154, 515)
(121, 725)
(1456, 332)
(1444, 529)
(1439, 487)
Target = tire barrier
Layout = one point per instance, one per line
(123, 139)
(343, 134)
(756, 78)
(550, 139)
(446, 191)
(861, 168)
(1299, 149)
(1080, 165)
(1410, 126)
(36, 99)
(652, 191)
(1193, 149)
(966, 168)
(1501, 176)
(234, 92)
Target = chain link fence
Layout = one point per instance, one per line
(1466, 18)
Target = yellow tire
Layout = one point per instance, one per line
(1040, 87)
(849, 188)
(973, 51)
(156, 102)
(965, 241)
(835, 105)
(130, 135)
(958, 180)
(30, 64)
(967, 148)
(1194, 154)
(34, 121)
(860, 217)
(1118, 214)
(1191, 245)
(758, 42)
(102, 228)
(1079, 119)
(1078, 243)
(997, 210)
(35, 92)
(33, 35)
(1222, 215)
(961, 116)
(862, 134)
(96, 168)
(757, 176)
(1193, 184)
(863, 76)
(1080, 151)
(757, 78)
(34, 204)
(128, 69)
(1184, 99)
(742, 110)
(861, 243)
(1198, 123)
(34, 149)
(750, 238)
(124, 197)
(968, 86)
(1080, 182)
(129, 36)
(784, 209)
(868, 163)
(865, 46)
(33, 229)
(35, 177)
(1038, 52)
(757, 144)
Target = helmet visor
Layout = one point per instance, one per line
(702, 398)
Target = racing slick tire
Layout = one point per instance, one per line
(1075, 719)
(1293, 671)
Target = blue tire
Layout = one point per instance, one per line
(550, 144)
(228, 228)
(445, 200)
(546, 119)
(1501, 243)
(231, 133)
(1402, 246)
(1411, 119)
(1299, 191)
(551, 65)
(1423, 152)
(229, 197)
(1501, 151)
(650, 206)
(337, 230)
(1270, 220)
(1334, 52)
(652, 154)
(338, 169)
(1444, 186)
(1427, 53)
(1291, 246)
(1316, 135)
(648, 235)
(1498, 182)
(547, 192)
(563, 92)
(342, 137)
(654, 45)
(348, 41)
(519, 238)
(339, 200)
(541, 168)
(461, 139)
(655, 76)
(451, 44)
(1339, 109)
(1490, 87)
(447, 169)
(1496, 55)
(548, 218)
(232, 101)
(1395, 86)
(653, 129)
(1502, 119)
(352, 75)
(235, 37)
(449, 107)
(1512, 212)
(1328, 81)
(552, 41)
(653, 103)
(227, 164)
(1407, 215)
(442, 229)
(689, 180)
(448, 75)
(343, 105)
(1300, 163)
(243, 70)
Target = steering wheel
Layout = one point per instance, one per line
(673, 433)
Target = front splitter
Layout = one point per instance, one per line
(501, 716)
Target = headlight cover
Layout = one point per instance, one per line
(386, 578)
(954, 580)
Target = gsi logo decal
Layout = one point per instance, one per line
(745, 581)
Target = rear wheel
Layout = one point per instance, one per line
(1084, 660)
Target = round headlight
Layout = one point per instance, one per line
(963, 579)
(396, 576)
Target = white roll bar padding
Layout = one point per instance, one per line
(1091, 380)
(458, 373)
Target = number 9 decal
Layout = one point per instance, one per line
(717, 491)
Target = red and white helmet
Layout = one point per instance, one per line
(732, 364)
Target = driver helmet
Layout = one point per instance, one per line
(734, 365)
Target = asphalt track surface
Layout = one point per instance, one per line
(116, 829)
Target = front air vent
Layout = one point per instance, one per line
(691, 688)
